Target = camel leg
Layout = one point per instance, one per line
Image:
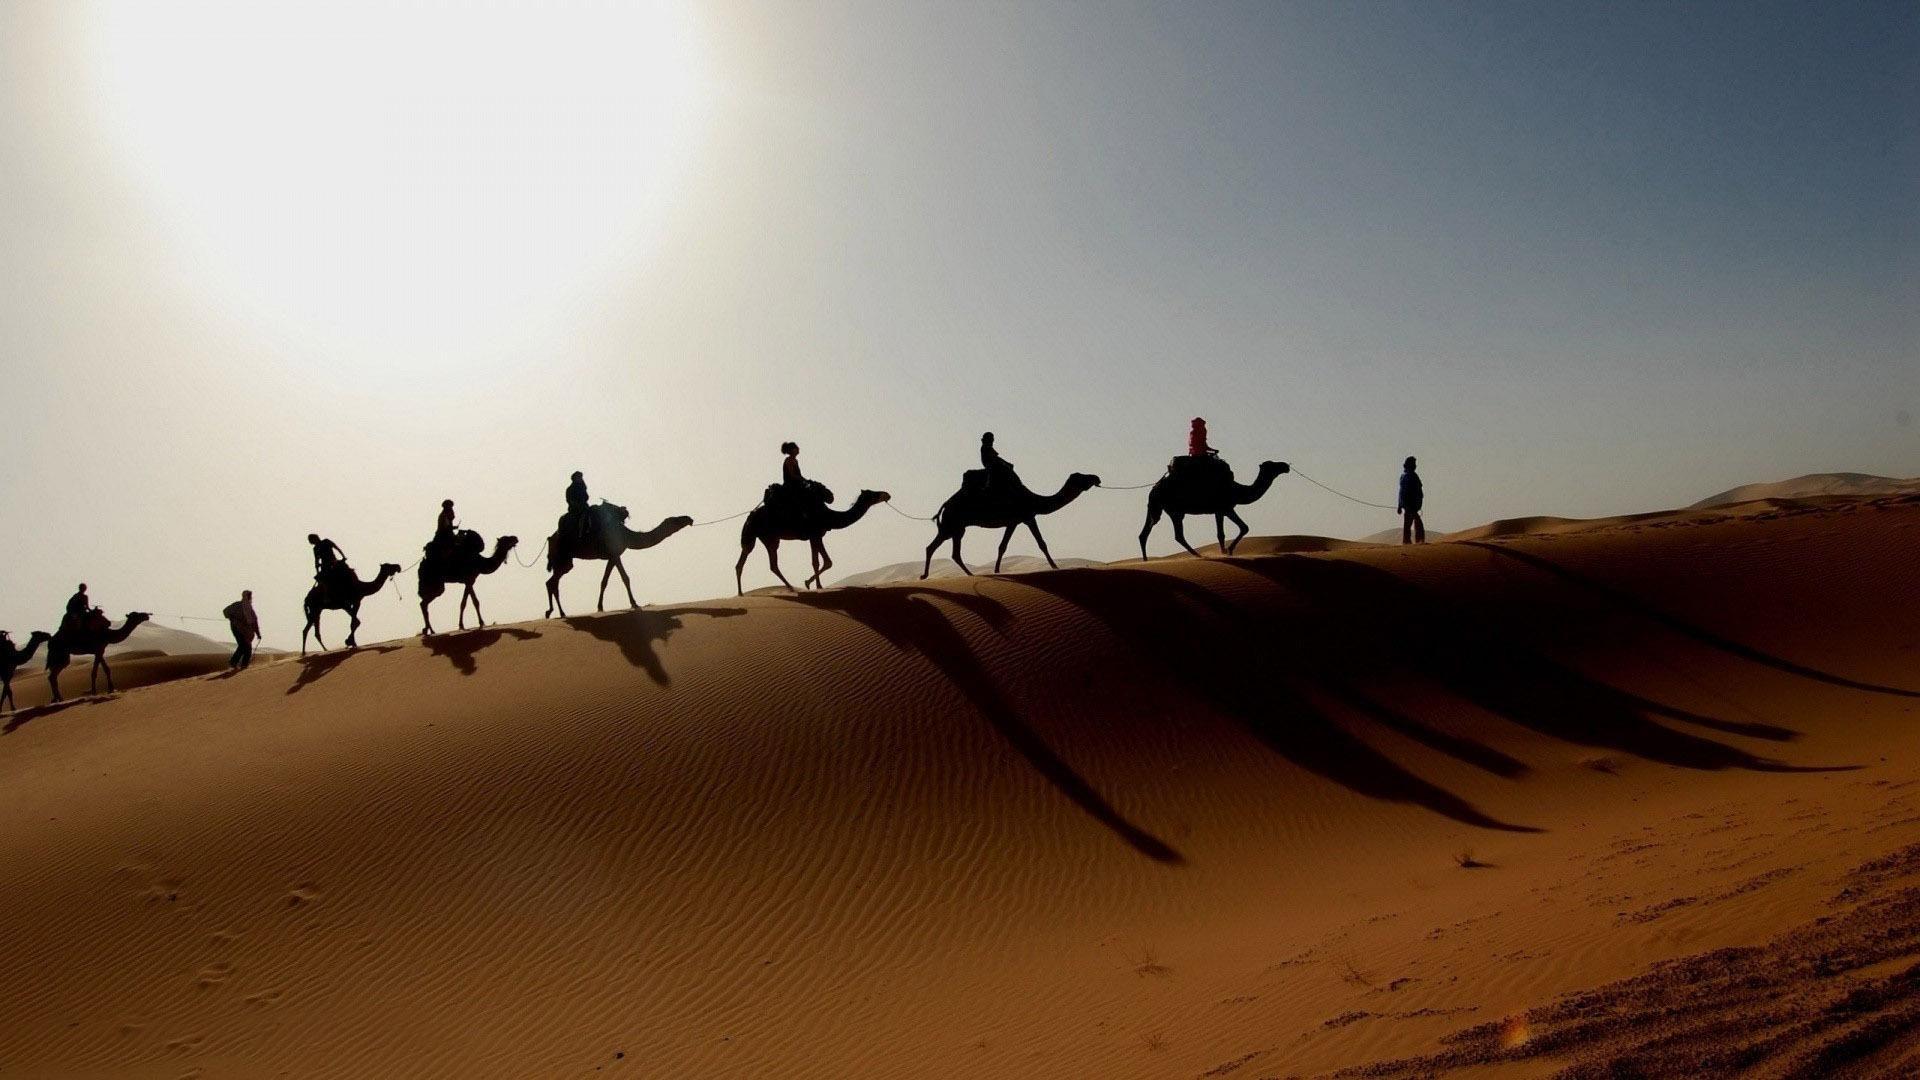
(1241, 525)
(826, 564)
(605, 576)
(1220, 532)
(1034, 528)
(939, 537)
(957, 560)
(1001, 555)
(426, 620)
(773, 560)
(553, 594)
(626, 581)
(99, 665)
(1153, 518)
(53, 681)
(6, 692)
(353, 627)
(746, 549)
(479, 619)
(1180, 532)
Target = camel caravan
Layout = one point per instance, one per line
(796, 508)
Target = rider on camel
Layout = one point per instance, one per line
(78, 606)
(328, 560)
(1197, 440)
(995, 472)
(577, 503)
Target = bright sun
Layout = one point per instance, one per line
(401, 175)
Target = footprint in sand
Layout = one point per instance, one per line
(213, 975)
(304, 895)
(266, 997)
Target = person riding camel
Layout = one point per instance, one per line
(328, 560)
(577, 504)
(794, 488)
(995, 472)
(1197, 440)
(78, 606)
(443, 530)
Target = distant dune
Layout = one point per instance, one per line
(1814, 485)
(1456, 809)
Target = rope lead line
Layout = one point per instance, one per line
(904, 514)
(1342, 494)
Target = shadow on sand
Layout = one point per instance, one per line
(314, 668)
(1241, 668)
(910, 622)
(1628, 602)
(636, 632)
(461, 645)
(1367, 612)
(21, 717)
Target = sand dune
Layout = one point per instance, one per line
(945, 568)
(1814, 485)
(1281, 814)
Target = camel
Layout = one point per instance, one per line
(11, 659)
(1189, 490)
(606, 537)
(342, 594)
(460, 565)
(777, 519)
(90, 638)
(1006, 509)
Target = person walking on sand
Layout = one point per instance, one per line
(1412, 497)
(246, 630)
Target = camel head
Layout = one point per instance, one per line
(39, 635)
(868, 498)
(679, 521)
(1082, 481)
(505, 543)
(135, 618)
(1274, 468)
(389, 569)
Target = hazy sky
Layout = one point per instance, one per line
(270, 269)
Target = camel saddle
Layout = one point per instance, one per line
(815, 497)
(466, 542)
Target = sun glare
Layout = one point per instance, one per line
(387, 176)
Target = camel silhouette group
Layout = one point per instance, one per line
(988, 499)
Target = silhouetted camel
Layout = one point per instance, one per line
(90, 638)
(11, 657)
(461, 565)
(343, 594)
(1004, 509)
(607, 537)
(772, 522)
(1193, 491)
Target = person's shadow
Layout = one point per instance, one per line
(908, 619)
(637, 632)
(461, 645)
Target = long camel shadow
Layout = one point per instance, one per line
(1238, 665)
(315, 668)
(22, 717)
(461, 645)
(911, 623)
(636, 632)
(1629, 602)
(1394, 622)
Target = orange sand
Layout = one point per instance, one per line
(1268, 816)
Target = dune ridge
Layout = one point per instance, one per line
(1266, 815)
